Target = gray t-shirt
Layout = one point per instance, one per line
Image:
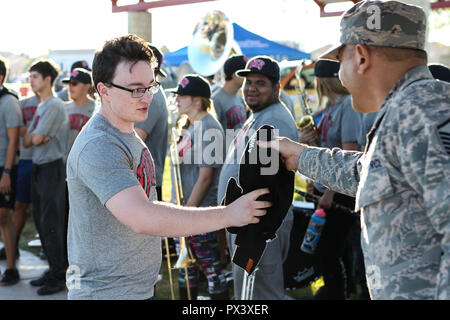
(10, 117)
(78, 117)
(339, 124)
(63, 94)
(288, 102)
(201, 145)
(51, 120)
(113, 262)
(276, 115)
(366, 122)
(28, 107)
(230, 109)
(157, 129)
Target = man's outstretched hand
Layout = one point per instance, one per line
(289, 150)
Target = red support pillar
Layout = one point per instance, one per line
(144, 5)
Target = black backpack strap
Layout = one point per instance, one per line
(5, 90)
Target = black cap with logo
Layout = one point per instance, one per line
(234, 64)
(79, 74)
(192, 85)
(80, 64)
(261, 64)
(160, 57)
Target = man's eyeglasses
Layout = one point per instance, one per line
(139, 92)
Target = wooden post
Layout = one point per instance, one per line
(140, 24)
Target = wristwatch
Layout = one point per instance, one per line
(8, 171)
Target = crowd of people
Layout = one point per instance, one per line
(90, 160)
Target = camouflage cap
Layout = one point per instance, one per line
(382, 23)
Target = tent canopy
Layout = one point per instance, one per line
(251, 45)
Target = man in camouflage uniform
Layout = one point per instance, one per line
(401, 180)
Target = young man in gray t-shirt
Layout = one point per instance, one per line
(10, 122)
(64, 93)
(28, 107)
(81, 106)
(228, 102)
(47, 135)
(115, 222)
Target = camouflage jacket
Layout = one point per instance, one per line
(401, 183)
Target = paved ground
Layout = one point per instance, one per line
(30, 267)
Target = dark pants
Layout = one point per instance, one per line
(48, 197)
(159, 193)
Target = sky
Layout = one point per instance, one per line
(34, 27)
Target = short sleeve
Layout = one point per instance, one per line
(106, 168)
(13, 115)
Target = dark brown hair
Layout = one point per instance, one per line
(3, 69)
(47, 68)
(128, 48)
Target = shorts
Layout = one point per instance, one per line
(7, 200)
(23, 187)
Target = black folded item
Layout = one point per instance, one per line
(260, 168)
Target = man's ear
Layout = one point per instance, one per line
(102, 90)
(49, 79)
(277, 89)
(363, 58)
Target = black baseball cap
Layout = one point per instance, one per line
(261, 64)
(251, 239)
(160, 58)
(79, 74)
(192, 85)
(326, 69)
(80, 64)
(234, 64)
(439, 72)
